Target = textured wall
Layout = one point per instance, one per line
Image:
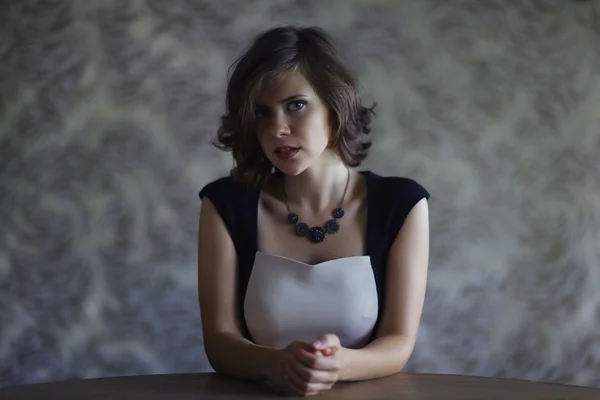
(106, 111)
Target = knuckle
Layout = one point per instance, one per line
(311, 376)
(302, 385)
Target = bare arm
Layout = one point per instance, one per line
(227, 350)
(406, 280)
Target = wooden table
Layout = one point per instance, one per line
(403, 386)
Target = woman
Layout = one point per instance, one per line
(310, 272)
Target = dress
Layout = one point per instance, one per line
(281, 300)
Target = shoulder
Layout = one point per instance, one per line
(230, 198)
(393, 198)
(222, 187)
(216, 187)
(234, 202)
(398, 189)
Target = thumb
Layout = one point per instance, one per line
(327, 341)
(329, 351)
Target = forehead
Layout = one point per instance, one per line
(291, 83)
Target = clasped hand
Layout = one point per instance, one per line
(308, 368)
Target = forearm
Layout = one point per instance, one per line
(236, 356)
(382, 357)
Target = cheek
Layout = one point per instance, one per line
(319, 130)
(262, 145)
(260, 135)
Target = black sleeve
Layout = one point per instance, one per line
(405, 193)
(221, 194)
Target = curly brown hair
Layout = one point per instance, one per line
(273, 53)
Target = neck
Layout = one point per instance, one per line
(318, 188)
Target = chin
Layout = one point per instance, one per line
(290, 169)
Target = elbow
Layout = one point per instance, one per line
(213, 361)
(406, 350)
(402, 348)
(214, 356)
(400, 359)
(211, 357)
(409, 348)
(406, 346)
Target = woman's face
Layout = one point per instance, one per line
(292, 124)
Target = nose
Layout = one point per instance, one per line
(278, 126)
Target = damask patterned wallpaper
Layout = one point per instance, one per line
(106, 113)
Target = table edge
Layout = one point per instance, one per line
(216, 374)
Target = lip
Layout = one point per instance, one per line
(286, 152)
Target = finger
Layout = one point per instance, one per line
(329, 351)
(277, 387)
(294, 382)
(316, 361)
(329, 340)
(297, 385)
(307, 347)
(308, 358)
(303, 345)
(316, 388)
(311, 375)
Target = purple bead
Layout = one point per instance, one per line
(332, 226)
(292, 218)
(317, 234)
(302, 229)
(338, 213)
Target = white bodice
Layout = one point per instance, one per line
(289, 300)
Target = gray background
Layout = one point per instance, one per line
(106, 112)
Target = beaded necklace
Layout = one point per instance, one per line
(316, 234)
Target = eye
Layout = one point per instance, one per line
(296, 105)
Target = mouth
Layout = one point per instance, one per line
(285, 149)
(286, 152)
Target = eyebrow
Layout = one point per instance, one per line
(292, 97)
